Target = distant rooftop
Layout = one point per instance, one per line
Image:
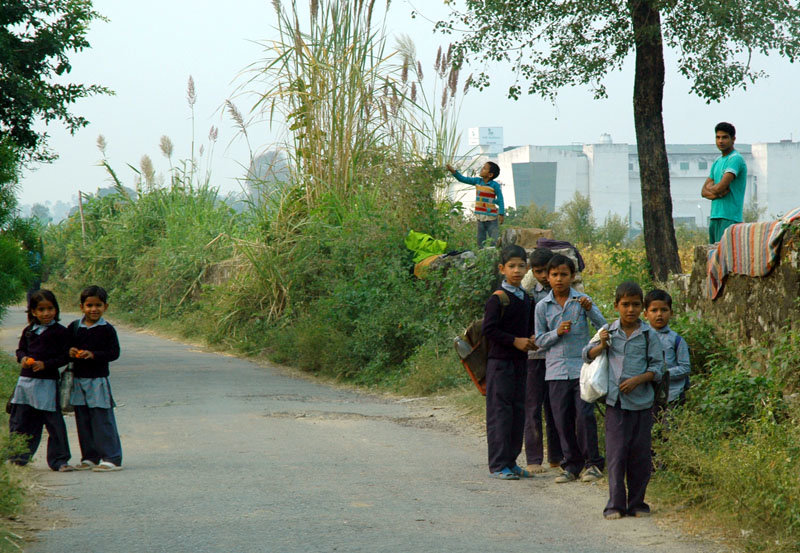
(672, 149)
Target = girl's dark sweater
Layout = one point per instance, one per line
(50, 347)
(101, 340)
(517, 322)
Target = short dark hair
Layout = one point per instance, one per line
(726, 127)
(512, 251)
(37, 297)
(557, 260)
(628, 288)
(540, 257)
(96, 291)
(494, 169)
(657, 295)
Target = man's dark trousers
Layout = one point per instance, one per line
(576, 425)
(629, 458)
(505, 411)
(537, 398)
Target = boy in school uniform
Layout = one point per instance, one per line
(536, 396)
(658, 311)
(489, 206)
(634, 361)
(94, 345)
(509, 332)
(562, 330)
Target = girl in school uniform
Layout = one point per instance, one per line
(42, 350)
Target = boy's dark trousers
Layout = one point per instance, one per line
(488, 229)
(576, 425)
(628, 453)
(505, 411)
(25, 419)
(97, 435)
(536, 398)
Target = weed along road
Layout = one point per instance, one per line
(222, 454)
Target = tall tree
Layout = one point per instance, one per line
(557, 43)
(35, 40)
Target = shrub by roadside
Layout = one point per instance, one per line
(12, 493)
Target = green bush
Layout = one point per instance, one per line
(12, 493)
(14, 271)
(732, 450)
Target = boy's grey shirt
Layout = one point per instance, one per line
(678, 362)
(626, 359)
(564, 359)
(538, 293)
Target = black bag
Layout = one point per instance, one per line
(661, 388)
(66, 381)
(65, 389)
(473, 347)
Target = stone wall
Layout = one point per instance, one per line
(757, 306)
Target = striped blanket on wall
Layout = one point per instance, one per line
(747, 249)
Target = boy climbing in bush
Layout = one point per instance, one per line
(489, 207)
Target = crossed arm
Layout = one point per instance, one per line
(713, 191)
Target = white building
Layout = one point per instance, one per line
(608, 174)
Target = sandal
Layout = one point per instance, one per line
(66, 468)
(521, 472)
(85, 465)
(106, 466)
(504, 474)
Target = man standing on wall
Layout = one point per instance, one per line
(726, 184)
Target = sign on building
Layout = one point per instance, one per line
(488, 139)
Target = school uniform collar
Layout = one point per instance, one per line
(100, 322)
(39, 328)
(516, 290)
(573, 293)
(663, 330)
(643, 327)
(539, 287)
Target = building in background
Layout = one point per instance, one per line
(608, 174)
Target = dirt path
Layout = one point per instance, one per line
(222, 454)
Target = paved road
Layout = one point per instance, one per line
(223, 454)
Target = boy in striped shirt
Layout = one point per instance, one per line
(489, 207)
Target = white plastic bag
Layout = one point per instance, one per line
(594, 375)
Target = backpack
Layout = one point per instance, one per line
(473, 347)
(661, 388)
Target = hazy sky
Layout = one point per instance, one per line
(148, 49)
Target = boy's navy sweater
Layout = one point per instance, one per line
(517, 322)
(50, 347)
(102, 341)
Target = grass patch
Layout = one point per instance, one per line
(12, 490)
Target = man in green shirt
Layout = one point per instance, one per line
(726, 184)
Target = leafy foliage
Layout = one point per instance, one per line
(553, 44)
(35, 41)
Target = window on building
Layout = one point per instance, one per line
(630, 167)
(684, 165)
(702, 165)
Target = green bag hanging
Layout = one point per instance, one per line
(424, 245)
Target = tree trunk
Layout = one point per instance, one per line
(648, 93)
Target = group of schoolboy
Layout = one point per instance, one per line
(538, 342)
